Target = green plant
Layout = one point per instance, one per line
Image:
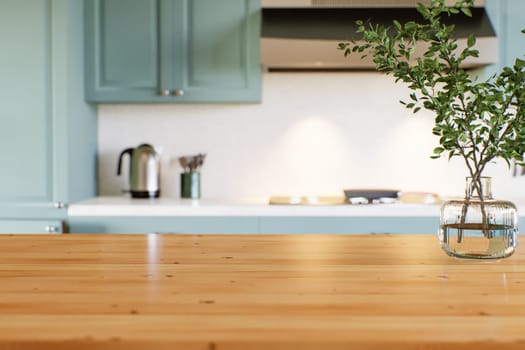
(476, 120)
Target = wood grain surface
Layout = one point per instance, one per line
(218, 292)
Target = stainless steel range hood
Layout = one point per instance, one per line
(303, 34)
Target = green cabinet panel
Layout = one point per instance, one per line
(508, 21)
(163, 224)
(513, 41)
(31, 226)
(219, 51)
(348, 225)
(251, 225)
(172, 51)
(47, 132)
(26, 136)
(122, 49)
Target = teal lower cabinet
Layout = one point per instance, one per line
(263, 225)
(163, 224)
(348, 225)
(31, 226)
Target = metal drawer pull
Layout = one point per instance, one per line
(51, 229)
(164, 92)
(167, 92)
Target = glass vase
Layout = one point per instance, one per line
(478, 227)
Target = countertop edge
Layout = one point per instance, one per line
(122, 206)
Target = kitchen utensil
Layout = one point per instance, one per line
(144, 171)
(192, 163)
(183, 163)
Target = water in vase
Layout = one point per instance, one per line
(474, 241)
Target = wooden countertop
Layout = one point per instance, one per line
(219, 292)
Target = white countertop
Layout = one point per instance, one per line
(125, 206)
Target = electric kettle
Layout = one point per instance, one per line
(144, 171)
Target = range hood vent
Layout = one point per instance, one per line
(354, 3)
(303, 34)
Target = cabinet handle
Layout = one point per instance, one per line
(178, 92)
(51, 229)
(59, 205)
(167, 92)
(164, 92)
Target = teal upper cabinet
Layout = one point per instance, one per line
(507, 18)
(47, 131)
(172, 51)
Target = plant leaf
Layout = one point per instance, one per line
(471, 41)
(466, 11)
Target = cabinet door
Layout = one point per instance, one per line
(47, 131)
(122, 53)
(30, 226)
(507, 18)
(512, 41)
(349, 225)
(163, 224)
(26, 135)
(216, 59)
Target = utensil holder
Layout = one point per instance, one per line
(190, 185)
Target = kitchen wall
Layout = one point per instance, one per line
(313, 134)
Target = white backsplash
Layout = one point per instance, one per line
(313, 134)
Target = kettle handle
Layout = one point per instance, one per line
(126, 151)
